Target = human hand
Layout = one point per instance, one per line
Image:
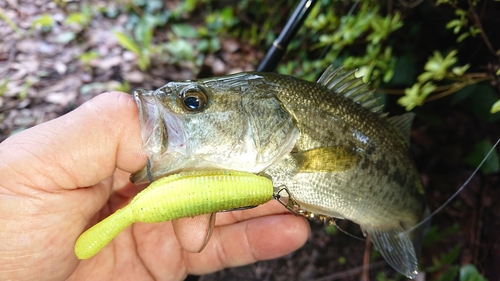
(61, 177)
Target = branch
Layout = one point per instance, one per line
(480, 26)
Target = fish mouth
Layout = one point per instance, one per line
(151, 123)
(161, 132)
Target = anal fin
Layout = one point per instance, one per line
(396, 247)
(194, 233)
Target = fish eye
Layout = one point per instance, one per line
(193, 99)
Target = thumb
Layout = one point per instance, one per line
(80, 149)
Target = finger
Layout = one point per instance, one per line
(80, 148)
(249, 241)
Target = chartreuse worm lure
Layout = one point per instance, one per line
(181, 195)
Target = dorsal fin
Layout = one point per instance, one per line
(403, 124)
(344, 83)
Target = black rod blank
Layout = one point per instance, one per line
(278, 49)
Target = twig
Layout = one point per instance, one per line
(390, 91)
(470, 78)
(409, 4)
(3, 16)
(455, 87)
(480, 26)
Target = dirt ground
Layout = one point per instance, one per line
(45, 79)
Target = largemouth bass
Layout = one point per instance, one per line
(328, 144)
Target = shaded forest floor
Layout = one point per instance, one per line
(44, 77)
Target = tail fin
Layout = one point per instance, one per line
(99, 235)
(396, 247)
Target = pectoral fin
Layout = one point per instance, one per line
(326, 159)
(396, 248)
(194, 233)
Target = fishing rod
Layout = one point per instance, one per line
(279, 46)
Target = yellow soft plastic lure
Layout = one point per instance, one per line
(177, 196)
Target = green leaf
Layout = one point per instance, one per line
(491, 165)
(202, 46)
(426, 76)
(214, 45)
(78, 18)
(470, 273)
(460, 12)
(184, 30)
(454, 24)
(148, 37)
(474, 30)
(496, 107)
(3, 86)
(228, 16)
(189, 5)
(365, 72)
(45, 21)
(437, 66)
(416, 95)
(462, 37)
(460, 70)
(143, 61)
(143, 32)
(87, 57)
(126, 42)
(180, 50)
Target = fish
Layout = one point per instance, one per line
(328, 144)
(177, 196)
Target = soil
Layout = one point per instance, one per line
(45, 78)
